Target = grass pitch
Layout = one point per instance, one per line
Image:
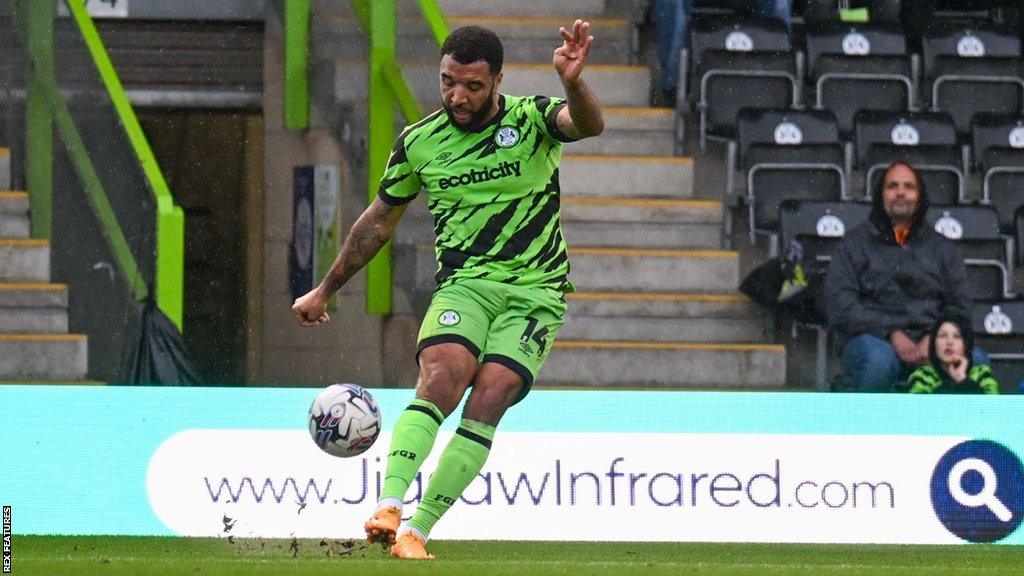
(112, 555)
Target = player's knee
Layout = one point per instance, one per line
(488, 402)
(442, 381)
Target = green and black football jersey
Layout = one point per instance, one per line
(493, 192)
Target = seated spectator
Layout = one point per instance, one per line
(672, 21)
(951, 369)
(890, 280)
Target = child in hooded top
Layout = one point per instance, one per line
(952, 369)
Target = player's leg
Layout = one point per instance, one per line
(445, 372)
(452, 333)
(517, 345)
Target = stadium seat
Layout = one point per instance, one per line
(854, 67)
(736, 65)
(819, 225)
(987, 280)
(997, 150)
(972, 70)
(975, 229)
(1019, 219)
(927, 140)
(787, 155)
(999, 330)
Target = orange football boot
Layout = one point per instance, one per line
(382, 526)
(409, 546)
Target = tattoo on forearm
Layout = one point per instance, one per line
(370, 233)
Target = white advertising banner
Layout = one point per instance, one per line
(609, 486)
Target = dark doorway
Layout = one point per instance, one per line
(212, 162)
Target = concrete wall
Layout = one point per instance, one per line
(351, 347)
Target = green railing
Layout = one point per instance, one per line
(387, 90)
(44, 90)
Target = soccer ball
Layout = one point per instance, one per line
(344, 420)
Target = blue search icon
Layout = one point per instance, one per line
(977, 491)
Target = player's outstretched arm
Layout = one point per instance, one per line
(370, 233)
(582, 117)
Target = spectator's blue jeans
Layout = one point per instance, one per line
(672, 20)
(874, 366)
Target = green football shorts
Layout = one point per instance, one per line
(514, 326)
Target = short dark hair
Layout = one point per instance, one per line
(473, 43)
(966, 334)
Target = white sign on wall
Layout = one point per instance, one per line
(99, 8)
(601, 486)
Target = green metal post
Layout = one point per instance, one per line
(38, 24)
(435, 20)
(170, 220)
(382, 134)
(296, 64)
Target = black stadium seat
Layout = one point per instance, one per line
(997, 149)
(853, 67)
(787, 155)
(987, 280)
(925, 139)
(1019, 228)
(818, 225)
(972, 70)
(974, 228)
(736, 65)
(999, 330)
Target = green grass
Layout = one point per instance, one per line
(111, 555)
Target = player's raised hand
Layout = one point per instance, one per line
(570, 57)
(311, 309)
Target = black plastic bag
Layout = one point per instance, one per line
(160, 356)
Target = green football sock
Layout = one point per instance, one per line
(460, 463)
(411, 441)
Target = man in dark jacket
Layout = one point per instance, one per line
(890, 279)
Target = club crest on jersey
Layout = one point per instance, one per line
(506, 136)
(449, 318)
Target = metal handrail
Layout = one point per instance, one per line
(387, 88)
(169, 279)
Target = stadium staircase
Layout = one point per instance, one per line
(35, 345)
(656, 305)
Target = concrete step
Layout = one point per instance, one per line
(12, 226)
(451, 8)
(43, 357)
(643, 235)
(642, 222)
(5, 168)
(662, 304)
(24, 260)
(678, 365)
(615, 85)
(654, 270)
(661, 329)
(577, 9)
(14, 221)
(35, 382)
(626, 176)
(33, 295)
(639, 131)
(524, 39)
(33, 320)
